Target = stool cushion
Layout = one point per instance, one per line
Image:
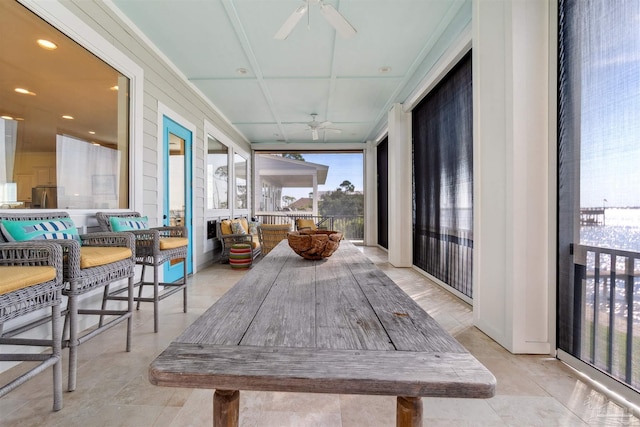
(18, 276)
(173, 242)
(95, 256)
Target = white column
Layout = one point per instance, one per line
(370, 195)
(315, 194)
(513, 275)
(400, 188)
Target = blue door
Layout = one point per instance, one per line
(177, 189)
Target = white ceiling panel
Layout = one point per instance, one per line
(295, 99)
(360, 100)
(239, 99)
(314, 70)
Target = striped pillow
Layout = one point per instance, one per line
(40, 229)
(129, 223)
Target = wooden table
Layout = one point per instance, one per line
(338, 325)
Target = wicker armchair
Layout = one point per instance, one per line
(81, 278)
(152, 250)
(32, 280)
(271, 235)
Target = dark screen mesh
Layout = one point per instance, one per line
(443, 179)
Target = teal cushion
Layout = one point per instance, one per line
(129, 223)
(40, 229)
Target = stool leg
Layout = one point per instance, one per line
(184, 291)
(56, 349)
(130, 310)
(105, 295)
(155, 297)
(73, 341)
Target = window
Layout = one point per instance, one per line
(598, 197)
(217, 175)
(65, 116)
(240, 168)
(443, 180)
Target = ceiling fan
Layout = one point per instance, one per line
(314, 126)
(342, 26)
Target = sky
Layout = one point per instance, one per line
(609, 61)
(343, 166)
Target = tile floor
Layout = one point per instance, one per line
(113, 389)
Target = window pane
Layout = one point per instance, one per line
(443, 180)
(599, 203)
(217, 175)
(241, 181)
(65, 143)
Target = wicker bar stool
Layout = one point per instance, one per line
(32, 280)
(103, 258)
(271, 235)
(154, 247)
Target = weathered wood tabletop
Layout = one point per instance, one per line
(338, 325)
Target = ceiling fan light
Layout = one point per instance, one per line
(342, 26)
(290, 23)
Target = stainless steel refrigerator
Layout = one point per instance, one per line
(44, 197)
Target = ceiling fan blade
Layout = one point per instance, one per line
(324, 124)
(338, 21)
(314, 134)
(291, 23)
(333, 130)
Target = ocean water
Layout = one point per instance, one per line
(621, 230)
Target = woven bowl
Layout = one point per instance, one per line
(314, 244)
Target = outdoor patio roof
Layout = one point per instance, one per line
(283, 172)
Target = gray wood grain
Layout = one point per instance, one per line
(338, 325)
(395, 373)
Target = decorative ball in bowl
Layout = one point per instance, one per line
(314, 244)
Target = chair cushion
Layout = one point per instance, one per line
(94, 256)
(306, 223)
(225, 226)
(129, 223)
(15, 277)
(237, 228)
(255, 243)
(40, 229)
(245, 224)
(173, 242)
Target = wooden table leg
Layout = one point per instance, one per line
(409, 412)
(226, 408)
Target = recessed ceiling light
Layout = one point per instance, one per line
(95, 143)
(114, 87)
(384, 70)
(242, 71)
(67, 117)
(46, 44)
(6, 117)
(92, 132)
(24, 91)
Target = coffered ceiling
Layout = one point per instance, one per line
(269, 88)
